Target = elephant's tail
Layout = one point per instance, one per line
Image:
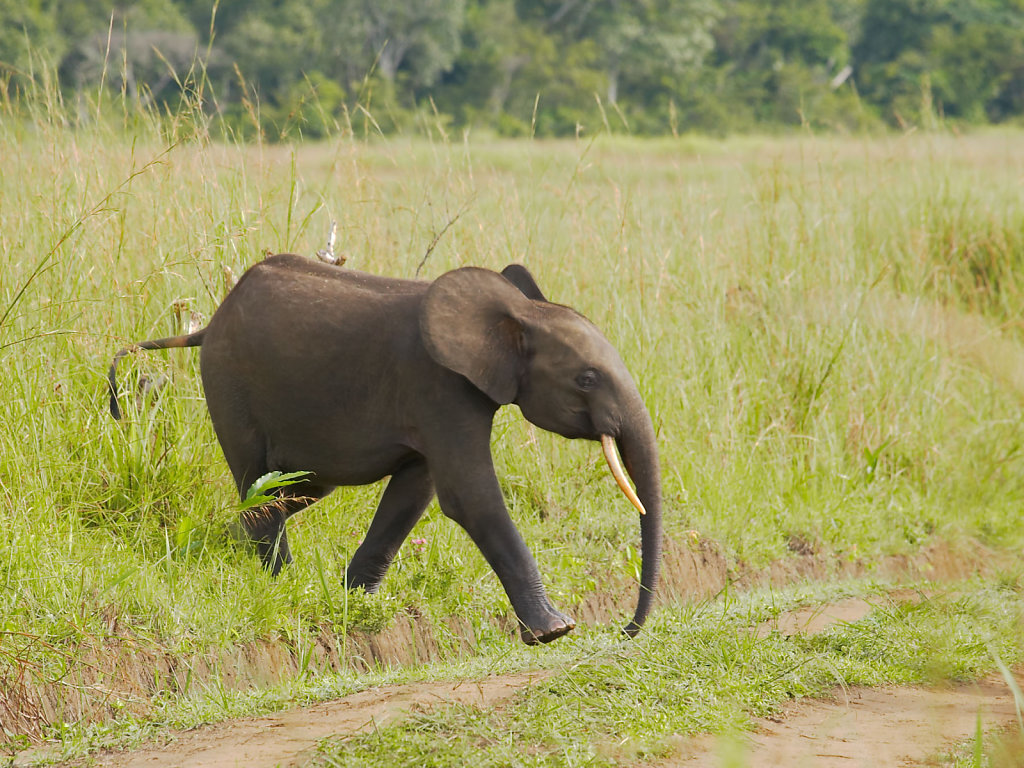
(172, 342)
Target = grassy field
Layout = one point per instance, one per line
(828, 332)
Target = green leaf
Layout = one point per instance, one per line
(258, 491)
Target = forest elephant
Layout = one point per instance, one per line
(354, 377)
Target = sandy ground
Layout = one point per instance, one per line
(896, 726)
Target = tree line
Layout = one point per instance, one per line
(288, 68)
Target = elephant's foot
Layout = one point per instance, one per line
(369, 584)
(554, 625)
(367, 571)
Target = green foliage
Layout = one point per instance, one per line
(961, 60)
(259, 492)
(540, 68)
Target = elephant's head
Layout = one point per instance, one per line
(500, 332)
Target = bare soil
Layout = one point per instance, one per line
(892, 726)
(286, 738)
(818, 618)
(869, 727)
(120, 672)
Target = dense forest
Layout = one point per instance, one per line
(290, 68)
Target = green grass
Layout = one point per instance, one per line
(827, 332)
(699, 669)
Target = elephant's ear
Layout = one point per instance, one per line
(521, 278)
(472, 323)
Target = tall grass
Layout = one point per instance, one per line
(827, 332)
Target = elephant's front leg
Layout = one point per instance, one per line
(473, 499)
(408, 493)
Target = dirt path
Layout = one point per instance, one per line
(856, 727)
(284, 738)
(818, 618)
(869, 727)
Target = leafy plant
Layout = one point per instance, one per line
(259, 492)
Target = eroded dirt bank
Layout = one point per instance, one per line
(119, 673)
(870, 727)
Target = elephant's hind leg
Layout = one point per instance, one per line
(264, 526)
(409, 491)
(246, 451)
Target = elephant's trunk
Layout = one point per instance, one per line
(640, 453)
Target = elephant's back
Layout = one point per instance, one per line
(288, 276)
(303, 356)
(286, 298)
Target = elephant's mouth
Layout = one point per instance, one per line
(579, 426)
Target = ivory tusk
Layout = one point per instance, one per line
(612, 457)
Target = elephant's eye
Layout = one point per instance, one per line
(588, 380)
